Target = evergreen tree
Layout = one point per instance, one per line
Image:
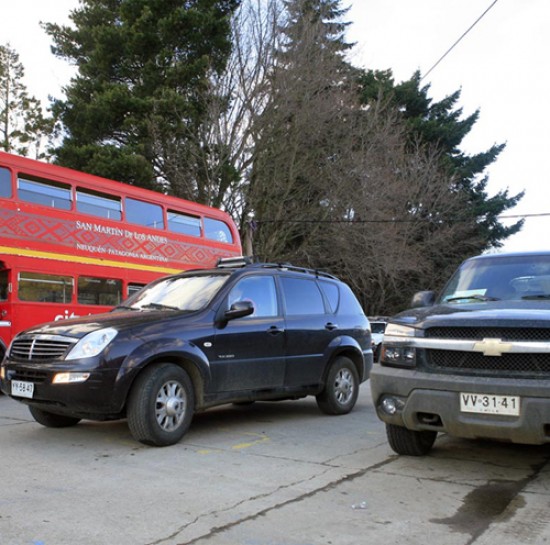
(314, 30)
(296, 153)
(135, 108)
(23, 127)
(441, 125)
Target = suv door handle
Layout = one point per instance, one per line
(274, 330)
(330, 326)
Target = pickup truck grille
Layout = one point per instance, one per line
(476, 361)
(478, 333)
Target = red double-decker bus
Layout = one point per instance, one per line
(73, 244)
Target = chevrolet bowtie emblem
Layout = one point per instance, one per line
(492, 347)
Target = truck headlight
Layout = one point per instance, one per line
(396, 348)
(92, 344)
(398, 356)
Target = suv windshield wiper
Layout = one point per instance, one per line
(159, 306)
(475, 296)
(536, 296)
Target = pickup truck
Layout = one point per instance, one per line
(473, 361)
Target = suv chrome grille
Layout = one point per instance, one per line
(40, 348)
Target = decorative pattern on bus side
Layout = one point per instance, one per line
(96, 239)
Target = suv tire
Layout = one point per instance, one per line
(410, 442)
(51, 420)
(161, 405)
(341, 388)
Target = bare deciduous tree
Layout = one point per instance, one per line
(327, 182)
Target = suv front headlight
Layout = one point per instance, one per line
(92, 344)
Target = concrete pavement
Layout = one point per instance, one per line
(268, 474)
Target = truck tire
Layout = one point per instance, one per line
(410, 442)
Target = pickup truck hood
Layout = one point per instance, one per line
(491, 313)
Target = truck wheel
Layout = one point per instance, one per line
(161, 405)
(341, 388)
(51, 420)
(410, 442)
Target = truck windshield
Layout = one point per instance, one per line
(496, 278)
(188, 293)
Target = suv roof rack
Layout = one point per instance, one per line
(251, 261)
(232, 262)
(293, 268)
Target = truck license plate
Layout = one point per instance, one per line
(489, 404)
(21, 388)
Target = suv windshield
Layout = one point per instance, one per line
(187, 293)
(500, 278)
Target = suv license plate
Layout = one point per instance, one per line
(21, 388)
(489, 404)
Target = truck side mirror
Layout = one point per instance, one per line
(423, 299)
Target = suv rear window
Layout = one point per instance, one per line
(332, 293)
(302, 296)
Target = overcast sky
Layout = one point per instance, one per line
(500, 66)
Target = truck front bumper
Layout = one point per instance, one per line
(425, 401)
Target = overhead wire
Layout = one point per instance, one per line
(459, 39)
(436, 220)
(393, 220)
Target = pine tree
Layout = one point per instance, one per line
(134, 110)
(314, 30)
(295, 156)
(23, 127)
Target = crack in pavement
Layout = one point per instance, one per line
(219, 529)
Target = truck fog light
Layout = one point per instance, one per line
(70, 378)
(389, 405)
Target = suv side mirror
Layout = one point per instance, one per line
(423, 299)
(239, 309)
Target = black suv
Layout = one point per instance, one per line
(238, 333)
(475, 362)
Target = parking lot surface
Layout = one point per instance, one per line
(265, 474)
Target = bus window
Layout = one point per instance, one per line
(99, 291)
(5, 182)
(97, 204)
(45, 193)
(184, 224)
(46, 288)
(134, 288)
(144, 213)
(3, 285)
(217, 230)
